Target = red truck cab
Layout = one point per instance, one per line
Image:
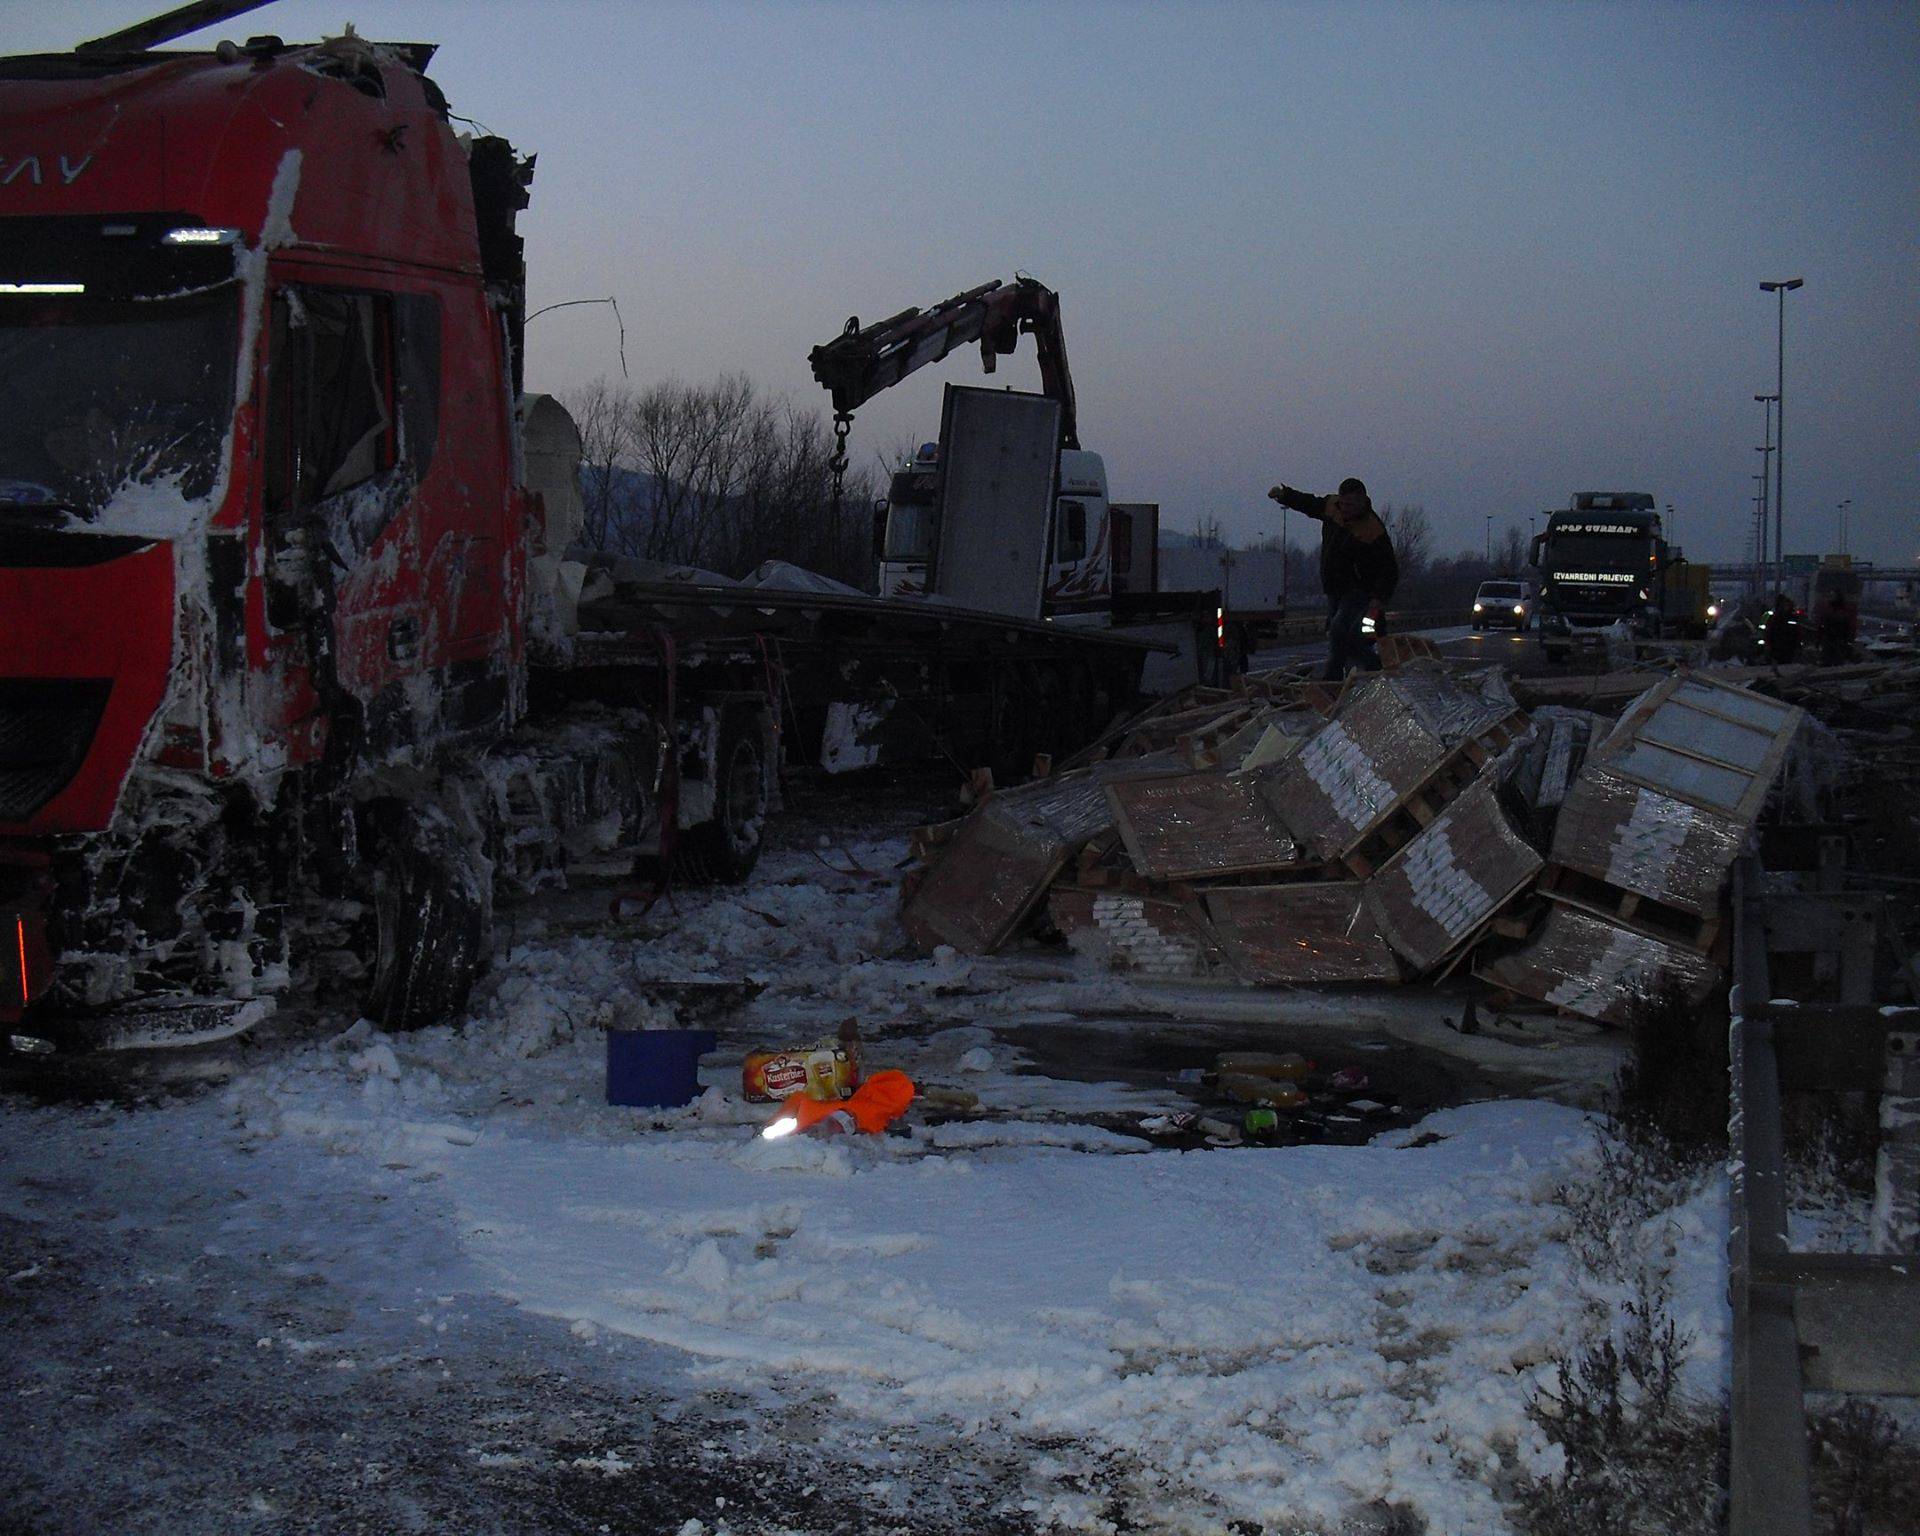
(261, 533)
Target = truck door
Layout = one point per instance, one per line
(352, 394)
(999, 463)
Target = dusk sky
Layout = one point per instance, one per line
(1481, 255)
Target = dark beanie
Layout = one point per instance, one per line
(1352, 487)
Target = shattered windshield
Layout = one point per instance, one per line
(103, 395)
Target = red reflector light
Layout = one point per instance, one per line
(25, 965)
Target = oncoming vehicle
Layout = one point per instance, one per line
(1503, 605)
(1604, 561)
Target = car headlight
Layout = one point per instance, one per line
(1713, 610)
(1476, 607)
(1518, 610)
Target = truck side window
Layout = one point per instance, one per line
(417, 339)
(330, 422)
(1069, 532)
(352, 409)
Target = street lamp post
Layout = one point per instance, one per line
(1767, 402)
(1842, 510)
(1285, 561)
(1784, 287)
(1489, 541)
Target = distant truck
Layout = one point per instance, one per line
(1604, 560)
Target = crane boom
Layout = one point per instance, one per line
(860, 362)
(178, 22)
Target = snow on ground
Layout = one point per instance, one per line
(1150, 1340)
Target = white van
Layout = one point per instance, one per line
(1503, 604)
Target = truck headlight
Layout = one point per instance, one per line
(1367, 626)
(1713, 610)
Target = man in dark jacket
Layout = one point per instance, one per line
(1358, 571)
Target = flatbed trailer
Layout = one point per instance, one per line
(861, 681)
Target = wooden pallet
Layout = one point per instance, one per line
(1630, 909)
(1419, 806)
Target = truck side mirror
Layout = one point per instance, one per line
(880, 509)
(1533, 550)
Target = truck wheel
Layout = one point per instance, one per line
(727, 848)
(432, 920)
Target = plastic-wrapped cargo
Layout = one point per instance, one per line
(1201, 824)
(1389, 735)
(984, 882)
(1300, 934)
(1556, 750)
(1664, 804)
(981, 885)
(1638, 840)
(1596, 968)
(1446, 884)
(1266, 738)
(1153, 935)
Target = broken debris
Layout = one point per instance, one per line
(1283, 833)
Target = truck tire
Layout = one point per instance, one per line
(432, 920)
(727, 848)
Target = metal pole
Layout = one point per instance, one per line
(1489, 541)
(1782, 289)
(1285, 561)
(1780, 449)
(1767, 401)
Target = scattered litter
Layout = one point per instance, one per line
(876, 1104)
(827, 1069)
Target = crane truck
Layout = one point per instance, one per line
(1068, 553)
(300, 665)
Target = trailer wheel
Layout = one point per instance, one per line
(432, 920)
(727, 848)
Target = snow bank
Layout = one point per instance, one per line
(1281, 1336)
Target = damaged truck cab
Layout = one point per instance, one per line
(264, 544)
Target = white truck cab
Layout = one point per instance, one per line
(1080, 550)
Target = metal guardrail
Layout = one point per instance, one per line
(1834, 1322)
(1302, 628)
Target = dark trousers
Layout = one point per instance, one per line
(1346, 645)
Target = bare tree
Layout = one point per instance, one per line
(1412, 540)
(602, 412)
(716, 475)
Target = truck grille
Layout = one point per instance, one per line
(46, 726)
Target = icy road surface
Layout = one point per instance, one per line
(433, 1282)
